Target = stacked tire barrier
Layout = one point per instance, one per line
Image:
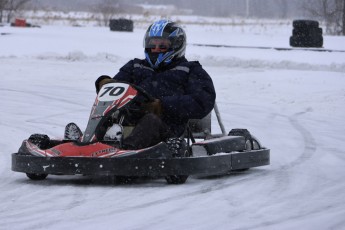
(121, 25)
(306, 33)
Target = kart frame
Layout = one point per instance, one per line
(214, 161)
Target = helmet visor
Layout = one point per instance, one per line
(157, 44)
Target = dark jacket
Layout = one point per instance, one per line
(185, 89)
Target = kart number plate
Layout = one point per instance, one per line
(112, 91)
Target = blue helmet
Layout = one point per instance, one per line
(164, 29)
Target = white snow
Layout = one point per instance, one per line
(293, 101)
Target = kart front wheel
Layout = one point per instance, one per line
(36, 176)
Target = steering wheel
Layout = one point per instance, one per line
(143, 93)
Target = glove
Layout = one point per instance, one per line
(105, 81)
(102, 80)
(154, 107)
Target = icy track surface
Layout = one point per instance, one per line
(293, 101)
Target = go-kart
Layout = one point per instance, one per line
(96, 152)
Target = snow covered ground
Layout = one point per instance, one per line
(293, 101)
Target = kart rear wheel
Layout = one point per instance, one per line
(251, 143)
(180, 148)
(36, 176)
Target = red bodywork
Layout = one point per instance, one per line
(112, 95)
(72, 149)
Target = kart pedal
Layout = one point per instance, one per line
(72, 132)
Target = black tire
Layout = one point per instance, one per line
(315, 32)
(296, 42)
(316, 41)
(298, 32)
(36, 176)
(299, 41)
(243, 133)
(250, 142)
(305, 24)
(179, 148)
(121, 25)
(307, 34)
(307, 42)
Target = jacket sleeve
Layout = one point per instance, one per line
(126, 73)
(198, 100)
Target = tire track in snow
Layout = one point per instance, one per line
(339, 225)
(308, 139)
(294, 217)
(282, 175)
(42, 119)
(200, 190)
(42, 95)
(24, 216)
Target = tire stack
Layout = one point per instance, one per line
(121, 25)
(306, 33)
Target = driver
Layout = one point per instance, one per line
(181, 89)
